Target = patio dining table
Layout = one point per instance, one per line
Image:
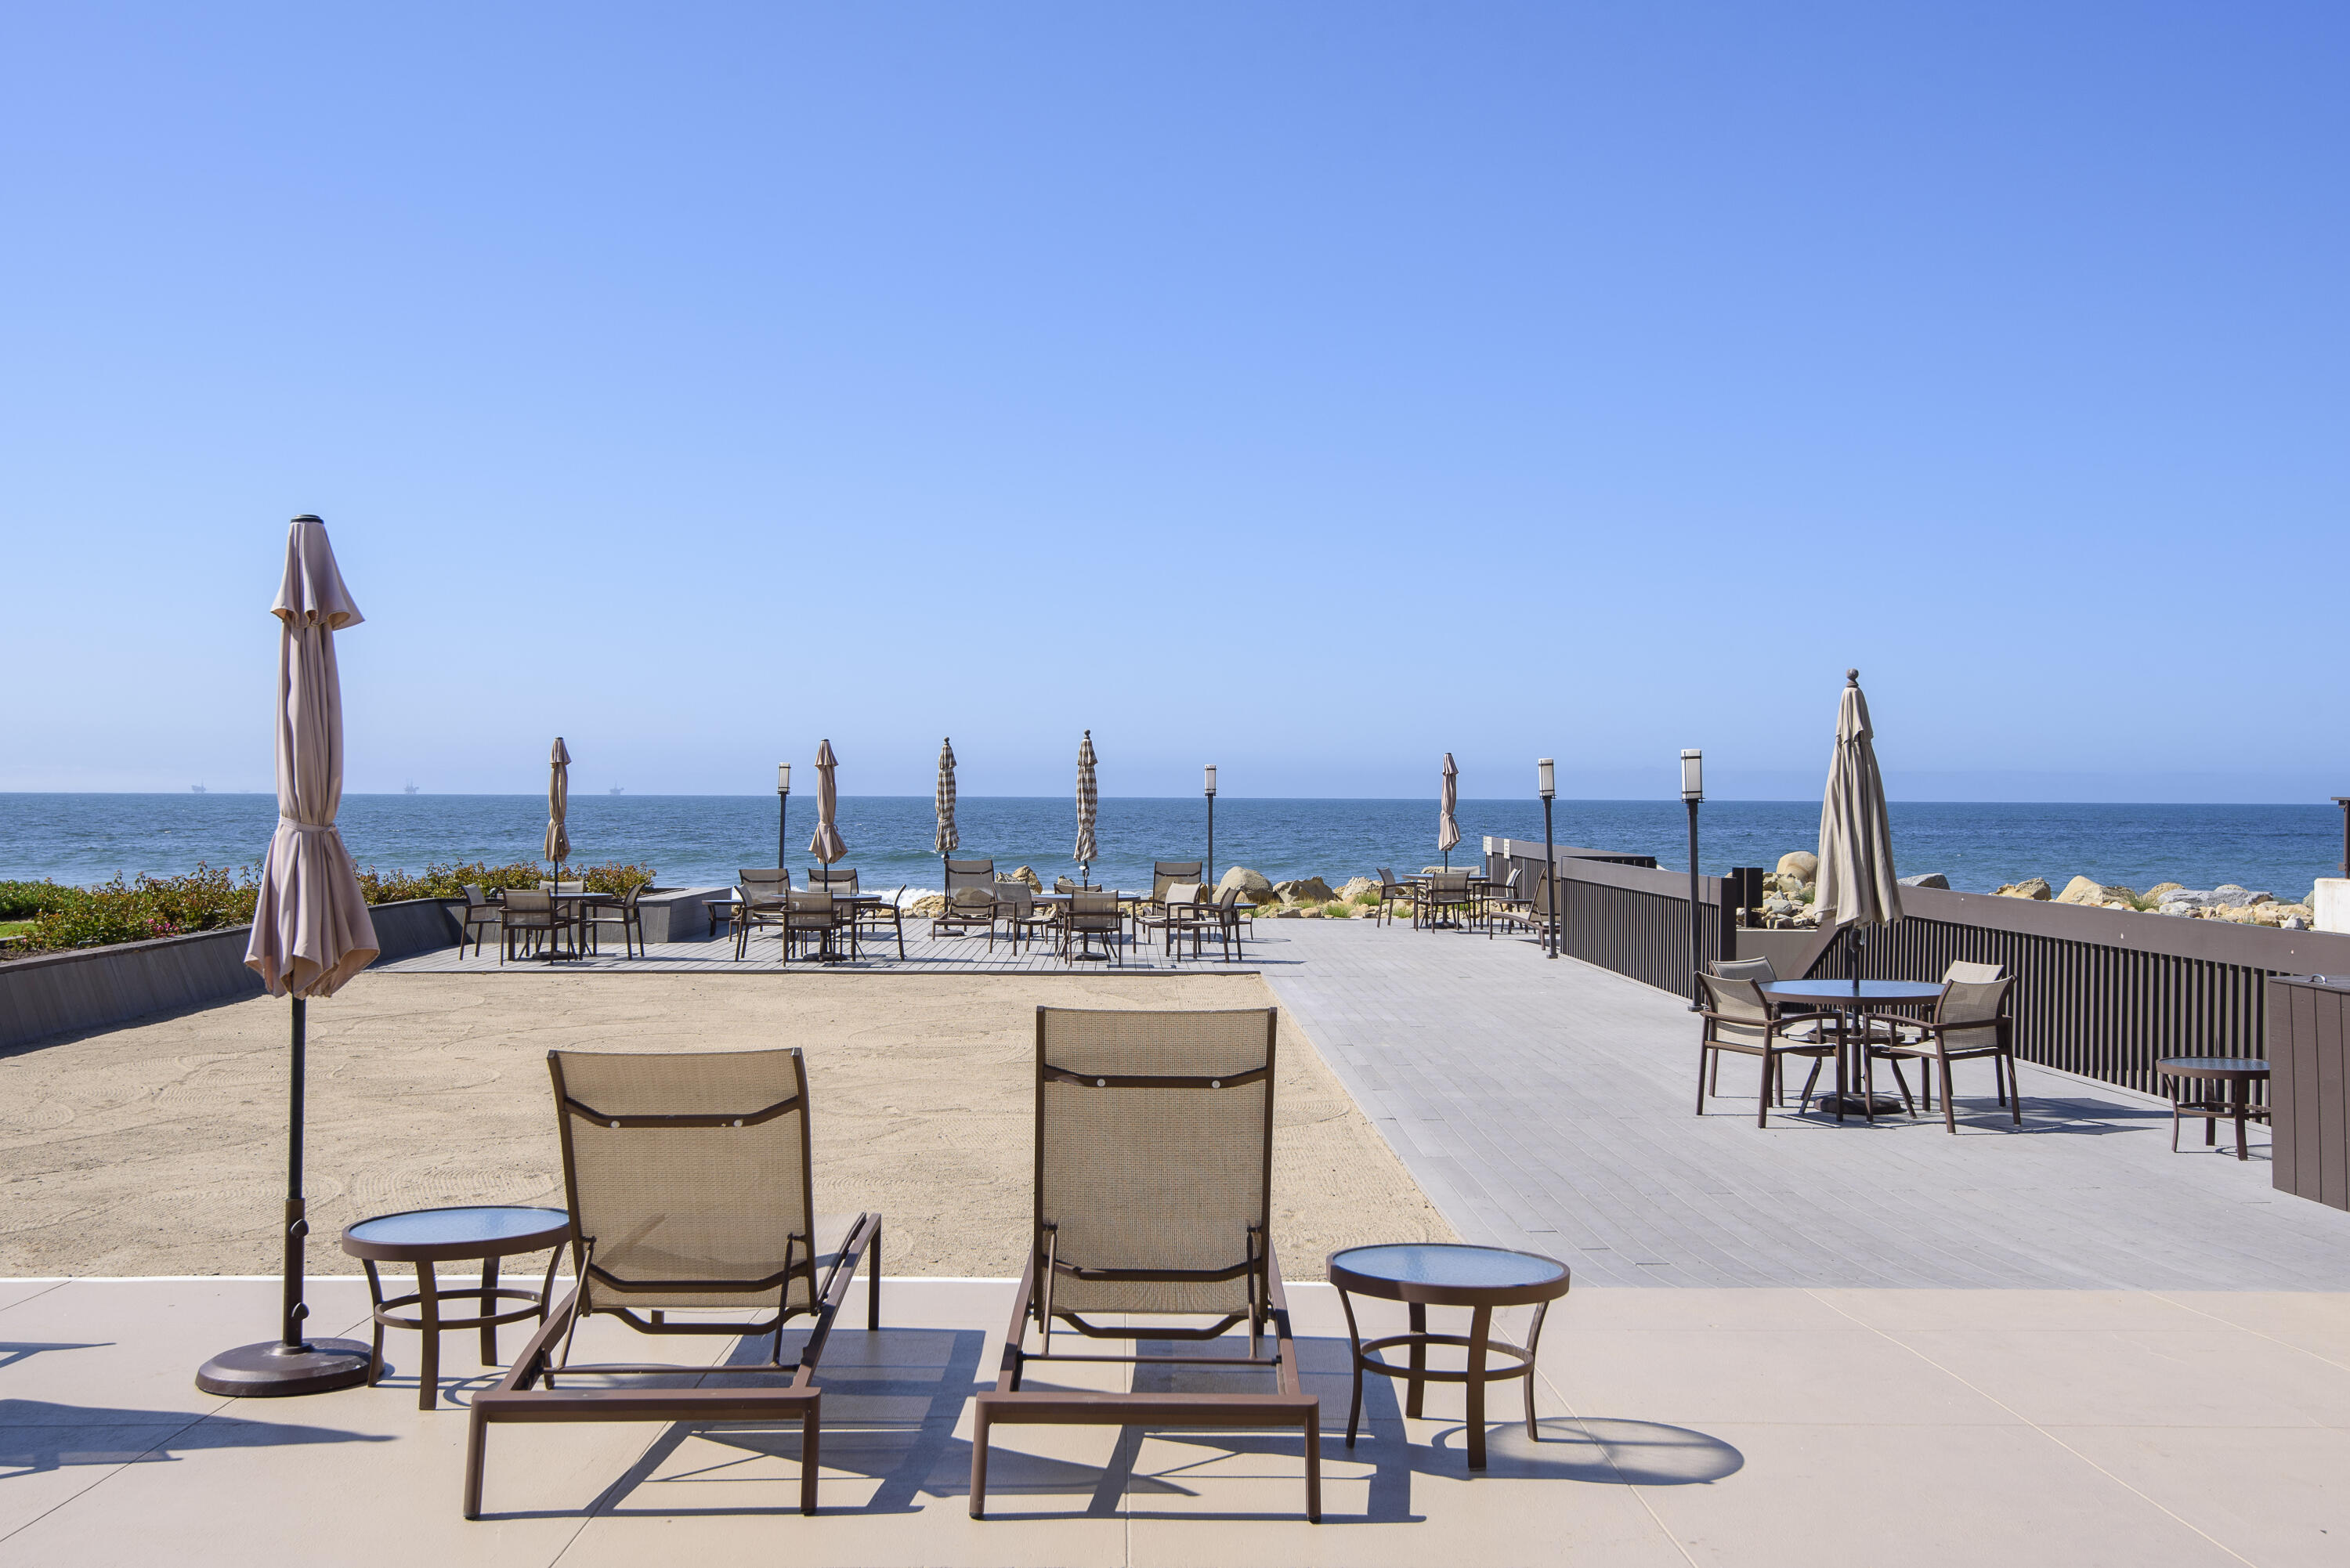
(1847, 999)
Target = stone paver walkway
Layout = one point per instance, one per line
(1549, 1104)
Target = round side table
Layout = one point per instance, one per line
(1422, 1274)
(2240, 1073)
(428, 1236)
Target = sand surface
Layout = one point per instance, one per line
(160, 1148)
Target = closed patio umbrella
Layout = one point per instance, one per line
(946, 839)
(1857, 886)
(1448, 831)
(1089, 802)
(311, 930)
(827, 846)
(557, 847)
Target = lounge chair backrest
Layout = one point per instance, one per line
(1761, 970)
(1973, 973)
(980, 898)
(687, 1176)
(1154, 1155)
(1738, 1000)
(961, 874)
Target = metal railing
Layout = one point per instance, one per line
(2101, 993)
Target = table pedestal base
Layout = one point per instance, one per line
(1855, 1105)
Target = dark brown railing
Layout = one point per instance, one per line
(2101, 993)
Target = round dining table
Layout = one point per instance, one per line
(1846, 998)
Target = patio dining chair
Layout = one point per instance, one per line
(1521, 914)
(960, 913)
(883, 914)
(1391, 891)
(1971, 1020)
(1153, 1197)
(529, 920)
(1738, 1019)
(1444, 895)
(625, 915)
(1094, 914)
(688, 1178)
(754, 911)
(480, 916)
(833, 880)
(1016, 907)
(810, 915)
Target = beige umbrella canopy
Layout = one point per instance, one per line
(1089, 804)
(311, 931)
(557, 847)
(1857, 885)
(827, 846)
(1447, 830)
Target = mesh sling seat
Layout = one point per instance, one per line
(1153, 1195)
(688, 1176)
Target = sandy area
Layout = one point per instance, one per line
(159, 1148)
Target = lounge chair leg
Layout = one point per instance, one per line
(809, 1439)
(1314, 1465)
(1704, 1053)
(1762, 1100)
(873, 1284)
(1949, 1117)
(979, 1463)
(476, 1440)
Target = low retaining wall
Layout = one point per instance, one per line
(90, 988)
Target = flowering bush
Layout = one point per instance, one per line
(207, 900)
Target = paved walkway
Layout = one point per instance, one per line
(1548, 1104)
(1810, 1428)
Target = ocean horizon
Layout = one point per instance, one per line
(87, 837)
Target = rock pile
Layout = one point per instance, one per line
(2229, 902)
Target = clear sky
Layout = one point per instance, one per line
(1307, 389)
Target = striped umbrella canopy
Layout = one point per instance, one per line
(946, 839)
(1448, 831)
(827, 846)
(557, 847)
(1089, 802)
(1857, 886)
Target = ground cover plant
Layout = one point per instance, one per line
(49, 917)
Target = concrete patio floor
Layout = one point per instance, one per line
(1750, 1426)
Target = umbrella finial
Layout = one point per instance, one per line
(1851, 678)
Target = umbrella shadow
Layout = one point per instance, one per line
(39, 1435)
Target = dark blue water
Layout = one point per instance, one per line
(697, 839)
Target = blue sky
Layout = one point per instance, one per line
(1307, 389)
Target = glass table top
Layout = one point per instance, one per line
(447, 1227)
(1441, 1264)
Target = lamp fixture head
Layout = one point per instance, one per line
(1211, 778)
(1545, 778)
(1692, 775)
(783, 778)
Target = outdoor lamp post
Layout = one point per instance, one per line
(1692, 792)
(782, 807)
(1546, 785)
(1211, 824)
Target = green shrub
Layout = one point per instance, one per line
(205, 899)
(440, 880)
(1368, 897)
(23, 900)
(1337, 911)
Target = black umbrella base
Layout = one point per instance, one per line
(271, 1370)
(1855, 1105)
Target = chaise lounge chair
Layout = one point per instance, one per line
(1154, 1175)
(687, 1176)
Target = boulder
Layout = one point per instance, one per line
(1787, 883)
(2155, 893)
(926, 906)
(2240, 896)
(1802, 865)
(2030, 888)
(1925, 879)
(1355, 886)
(2081, 890)
(1253, 885)
(1025, 874)
(1304, 890)
(1288, 912)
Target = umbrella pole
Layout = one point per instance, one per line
(291, 1364)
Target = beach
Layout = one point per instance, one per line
(160, 1148)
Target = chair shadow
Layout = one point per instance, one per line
(15, 1351)
(39, 1435)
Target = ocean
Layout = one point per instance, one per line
(703, 839)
